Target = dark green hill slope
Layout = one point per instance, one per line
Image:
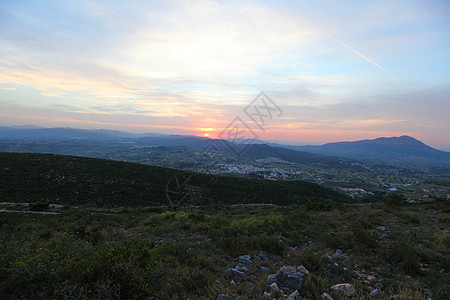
(75, 180)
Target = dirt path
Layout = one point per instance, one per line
(29, 212)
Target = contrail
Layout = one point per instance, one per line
(324, 32)
(360, 54)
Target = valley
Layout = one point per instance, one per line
(364, 180)
(132, 219)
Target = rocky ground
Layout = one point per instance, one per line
(312, 251)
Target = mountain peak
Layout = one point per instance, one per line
(392, 149)
(405, 140)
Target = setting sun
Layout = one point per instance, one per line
(207, 133)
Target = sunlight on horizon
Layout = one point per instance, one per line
(339, 72)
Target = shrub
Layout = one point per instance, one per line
(184, 281)
(39, 206)
(297, 236)
(395, 199)
(402, 253)
(266, 243)
(397, 251)
(314, 286)
(443, 242)
(411, 219)
(311, 260)
(196, 217)
(410, 263)
(7, 220)
(364, 238)
(333, 240)
(231, 246)
(320, 205)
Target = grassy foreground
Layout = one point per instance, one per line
(170, 253)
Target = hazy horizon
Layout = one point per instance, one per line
(338, 71)
(286, 143)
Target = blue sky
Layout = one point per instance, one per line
(339, 70)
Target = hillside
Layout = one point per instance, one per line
(378, 251)
(260, 151)
(107, 239)
(75, 180)
(147, 149)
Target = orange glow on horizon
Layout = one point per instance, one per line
(206, 129)
(286, 135)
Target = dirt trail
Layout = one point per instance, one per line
(29, 212)
(4, 207)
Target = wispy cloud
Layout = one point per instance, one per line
(91, 99)
(52, 94)
(198, 63)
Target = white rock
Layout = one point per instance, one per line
(242, 269)
(303, 270)
(234, 272)
(345, 289)
(326, 296)
(295, 296)
(274, 288)
(375, 293)
(245, 259)
(338, 254)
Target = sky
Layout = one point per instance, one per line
(336, 70)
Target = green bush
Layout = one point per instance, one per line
(395, 199)
(403, 254)
(311, 260)
(411, 219)
(67, 266)
(269, 244)
(410, 264)
(314, 286)
(6, 220)
(320, 205)
(443, 242)
(365, 238)
(230, 245)
(333, 240)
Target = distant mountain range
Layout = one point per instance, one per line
(97, 143)
(403, 149)
(30, 132)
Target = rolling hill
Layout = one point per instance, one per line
(111, 144)
(76, 180)
(117, 145)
